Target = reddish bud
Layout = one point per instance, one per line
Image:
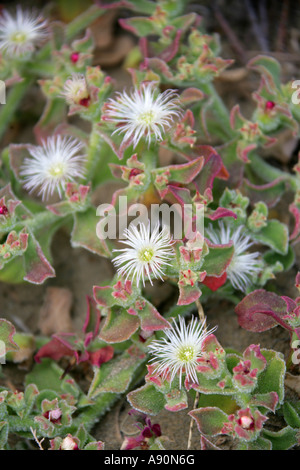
(74, 57)
(270, 105)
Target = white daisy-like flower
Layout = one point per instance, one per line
(177, 353)
(21, 33)
(143, 113)
(75, 89)
(52, 164)
(146, 254)
(244, 264)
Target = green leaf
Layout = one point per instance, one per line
(3, 434)
(84, 233)
(272, 378)
(47, 375)
(286, 260)
(7, 331)
(283, 439)
(217, 260)
(147, 399)
(210, 420)
(291, 416)
(119, 326)
(275, 235)
(115, 375)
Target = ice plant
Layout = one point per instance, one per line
(243, 264)
(143, 113)
(75, 90)
(52, 164)
(21, 33)
(179, 350)
(146, 254)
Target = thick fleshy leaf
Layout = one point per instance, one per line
(272, 378)
(84, 233)
(260, 311)
(116, 375)
(210, 420)
(36, 265)
(269, 68)
(284, 439)
(147, 399)
(218, 259)
(176, 400)
(275, 235)
(7, 332)
(119, 326)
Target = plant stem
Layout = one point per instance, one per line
(219, 108)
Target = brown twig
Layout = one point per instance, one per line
(39, 443)
(257, 30)
(192, 422)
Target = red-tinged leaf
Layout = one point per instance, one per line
(151, 320)
(36, 265)
(119, 326)
(214, 283)
(169, 52)
(54, 349)
(218, 259)
(7, 332)
(191, 95)
(176, 400)
(270, 193)
(267, 400)
(294, 210)
(269, 68)
(261, 310)
(96, 358)
(221, 212)
(210, 420)
(213, 167)
(92, 319)
(182, 173)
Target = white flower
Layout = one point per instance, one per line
(179, 351)
(75, 89)
(142, 113)
(243, 265)
(147, 253)
(52, 164)
(21, 33)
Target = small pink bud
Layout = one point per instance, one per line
(270, 105)
(74, 57)
(3, 210)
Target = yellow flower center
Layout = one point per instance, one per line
(186, 354)
(18, 37)
(146, 255)
(57, 171)
(147, 117)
